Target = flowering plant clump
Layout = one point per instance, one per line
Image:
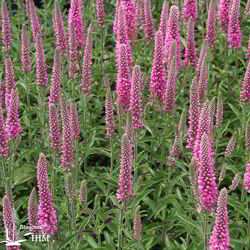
(142, 110)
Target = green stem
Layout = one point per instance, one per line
(120, 226)
(206, 230)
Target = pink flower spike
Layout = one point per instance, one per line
(41, 67)
(190, 52)
(220, 237)
(224, 15)
(109, 117)
(189, 10)
(164, 19)
(6, 28)
(47, 214)
(135, 100)
(35, 24)
(56, 76)
(26, 60)
(206, 175)
(247, 178)
(100, 12)
(125, 191)
(211, 24)
(245, 92)
(158, 67)
(3, 137)
(234, 34)
(148, 24)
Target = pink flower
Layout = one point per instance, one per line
(33, 211)
(9, 220)
(211, 24)
(35, 23)
(54, 127)
(13, 120)
(7, 29)
(193, 118)
(100, 12)
(75, 17)
(190, 52)
(3, 137)
(59, 29)
(47, 214)
(234, 34)
(25, 58)
(72, 51)
(203, 80)
(56, 76)
(170, 92)
(173, 33)
(224, 17)
(135, 100)
(9, 76)
(109, 117)
(158, 67)
(247, 178)
(220, 237)
(87, 64)
(148, 24)
(189, 10)
(203, 53)
(164, 19)
(124, 83)
(206, 175)
(41, 67)
(245, 93)
(125, 190)
(67, 138)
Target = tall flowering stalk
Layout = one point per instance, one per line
(189, 10)
(100, 12)
(67, 138)
(122, 36)
(3, 137)
(164, 19)
(224, 15)
(193, 118)
(59, 29)
(148, 24)
(123, 85)
(56, 76)
(7, 31)
(109, 117)
(41, 67)
(25, 58)
(75, 17)
(175, 151)
(170, 91)
(10, 81)
(75, 122)
(33, 212)
(219, 110)
(158, 67)
(203, 80)
(203, 53)
(35, 23)
(13, 119)
(72, 51)
(137, 224)
(245, 93)
(47, 214)
(9, 220)
(247, 178)
(135, 100)
(247, 135)
(234, 34)
(173, 33)
(190, 52)
(211, 23)
(207, 182)
(125, 190)
(54, 127)
(130, 13)
(87, 64)
(220, 236)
